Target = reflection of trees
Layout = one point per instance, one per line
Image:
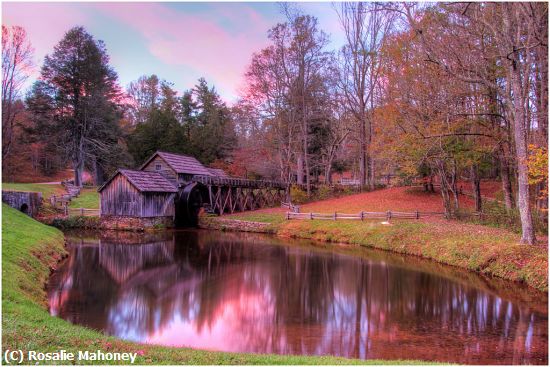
(238, 292)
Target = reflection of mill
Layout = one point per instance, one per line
(123, 261)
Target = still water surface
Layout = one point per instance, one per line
(251, 293)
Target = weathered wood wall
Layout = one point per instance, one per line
(165, 169)
(121, 198)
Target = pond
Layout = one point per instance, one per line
(242, 292)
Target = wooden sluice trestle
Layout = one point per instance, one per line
(230, 195)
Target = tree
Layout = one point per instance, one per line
(285, 82)
(366, 26)
(77, 98)
(213, 134)
(17, 55)
(144, 95)
(516, 34)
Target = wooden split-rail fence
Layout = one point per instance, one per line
(388, 215)
(62, 202)
(83, 212)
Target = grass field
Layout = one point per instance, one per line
(29, 250)
(47, 190)
(88, 199)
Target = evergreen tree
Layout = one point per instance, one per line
(76, 97)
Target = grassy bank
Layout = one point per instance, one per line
(47, 190)
(490, 251)
(88, 199)
(29, 250)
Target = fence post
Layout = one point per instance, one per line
(66, 207)
(417, 215)
(287, 216)
(334, 215)
(388, 215)
(81, 212)
(310, 215)
(362, 215)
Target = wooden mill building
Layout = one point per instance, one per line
(172, 188)
(137, 194)
(151, 191)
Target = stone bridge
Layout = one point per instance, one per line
(26, 202)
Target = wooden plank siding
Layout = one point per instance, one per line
(165, 169)
(121, 198)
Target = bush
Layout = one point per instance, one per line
(297, 195)
(76, 222)
(324, 192)
(495, 214)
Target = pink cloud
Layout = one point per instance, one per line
(45, 24)
(198, 41)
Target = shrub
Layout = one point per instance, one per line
(76, 222)
(324, 192)
(297, 195)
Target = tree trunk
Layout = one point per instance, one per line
(372, 180)
(444, 190)
(78, 169)
(307, 173)
(520, 137)
(446, 200)
(506, 181)
(98, 173)
(300, 169)
(454, 188)
(474, 177)
(362, 155)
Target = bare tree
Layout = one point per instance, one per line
(17, 55)
(366, 27)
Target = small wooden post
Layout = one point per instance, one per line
(335, 215)
(287, 215)
(310, 215)
(388, 215)
(417, 214)
(81, 212)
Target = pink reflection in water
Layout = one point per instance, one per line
(250, 294)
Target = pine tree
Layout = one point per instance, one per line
(77, 97)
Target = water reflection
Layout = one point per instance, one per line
(237, 292)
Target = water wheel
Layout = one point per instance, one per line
(189, 202)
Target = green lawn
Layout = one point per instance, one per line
(45, 189)
(88, 199)
(29, 249)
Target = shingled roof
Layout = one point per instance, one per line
(181, 163)
(145, 181)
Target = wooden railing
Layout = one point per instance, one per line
(363, 215)
(83, 212)
(238, 182)
(293, 208)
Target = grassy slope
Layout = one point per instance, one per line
(88, 198)
(493, 251)
(46, 189)
(29, 249)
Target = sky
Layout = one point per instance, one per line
(179, 42)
